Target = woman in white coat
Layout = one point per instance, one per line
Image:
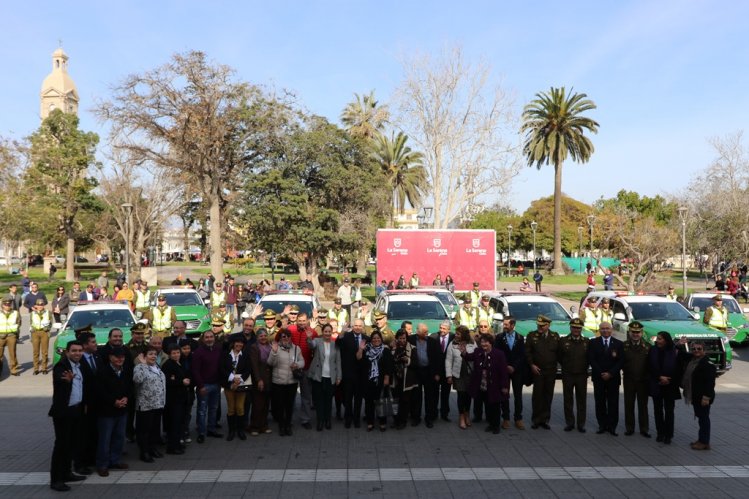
(458, 372)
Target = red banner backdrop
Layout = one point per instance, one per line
(465, 255)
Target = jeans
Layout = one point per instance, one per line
(207, 407)
(111, 440)
(702, 413)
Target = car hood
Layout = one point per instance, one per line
(681, 328)
(190, 311)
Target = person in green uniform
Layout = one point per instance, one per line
(636, 381)
(573, 355)
(541, 352)
(381, 324)
(162, 317)
(10, 327)
(271, 324)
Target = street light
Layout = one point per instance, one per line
(580, 254)
(591, 219)
(509, 247)
(534, 226)
(683, 211)
(424, 217)
(420, 220)
(128, 229)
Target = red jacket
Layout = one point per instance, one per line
(299, 338)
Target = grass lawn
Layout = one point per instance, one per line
(48, 287)
(549, 279)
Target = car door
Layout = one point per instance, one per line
(620, 326)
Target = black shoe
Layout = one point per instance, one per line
(175, 451)
(495, 430)
(545, 426)
(155, 453)
(446, 419)
(429, 424)
(600, 431)
(83, 470)
(74, 478)
(659, 438)
(569, 428)
(215, 434)
(629, 433)
(667, 440)
(319, 426)
(241, 434)
(328, 426)
(307, 426)
(581, 429)
(645, 434)
(613, 433)
(36, 372)
(59, 486)
(231, 435)
(146, 457)
(201, 439)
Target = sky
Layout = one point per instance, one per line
(666, 75)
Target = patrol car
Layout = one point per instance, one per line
(412, 305)
(658, 313)
(277, 301)
(738, 325)
(188, 306)
(526, 307)
(102, 316)
(446, 297)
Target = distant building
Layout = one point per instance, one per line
(58, 89)
(407, 219)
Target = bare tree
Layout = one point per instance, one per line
(154, 197)
(465, 128)
(192, 118)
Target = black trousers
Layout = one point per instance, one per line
(425, 390)
(516, 380)
(372, 393)
(67, 434)
(187, 414)
(322, 394)
(85, 451)
(663, 412)
(283, 403)
(606, 394)
(147, 425)
(492, 409)
(353, 396)
(464, 402)
(543, 395)
(404, 407)
(636, 392)
(174, 413)
(443, 388)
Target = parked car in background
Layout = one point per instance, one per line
(412, 305)
(738, 325)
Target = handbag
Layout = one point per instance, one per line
(386, 406)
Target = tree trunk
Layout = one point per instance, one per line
(361, 262)
(312, 271)
(217, 259)
(557, 269)
(70, 260)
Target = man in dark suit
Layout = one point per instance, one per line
(85, 455)
(428, 359)
(350, 343)
(513, 346)
(444, 338)
(89, 294)
(66, 413)
(606, 357)
(113, 395)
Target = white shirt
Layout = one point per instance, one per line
(235, 360)
(326, 359)
(76, 393)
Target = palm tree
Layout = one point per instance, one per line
(364, 117)
(554, 128)
(402, 168)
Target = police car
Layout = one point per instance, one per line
(658, 313)
(102, 316)
(277, 301)
(525, 308)
(738, 325)
(188, 306)
(416, 306)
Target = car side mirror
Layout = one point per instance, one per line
(746, 310)
(143, 321)
(696, 315)
(57, 326)
(620, 317)
(697, 309)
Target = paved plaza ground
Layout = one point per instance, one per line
(417, 462)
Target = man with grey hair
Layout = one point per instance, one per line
(442, 387)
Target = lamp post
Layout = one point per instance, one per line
(580, 254)
(591, 219)
(128, 208)
(420, 220)
(683, 211)
(424, 217)
(534, 226)
(509, 247)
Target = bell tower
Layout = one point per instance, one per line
(58, 89)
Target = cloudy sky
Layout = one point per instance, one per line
(666, 75)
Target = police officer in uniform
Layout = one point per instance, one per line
(41, 323)
(142, 299)
(467, 315)
(322, 319)
(541, 353)
(671, 295)
(218, 295)
(10, 325)
(573, 355)
(339, 314)
(271, 324)
(484, 311)
(606, 314)
(475, 294)
(221, 314)
(381, 325)
(716, 315)
(591, 315)
(162, 318)
(636, 381)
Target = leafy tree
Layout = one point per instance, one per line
(402, 168)
(58, 177)
(662, 210)
(573, 215)
(554, 129)
(364, 117)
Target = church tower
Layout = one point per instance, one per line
(58, 89)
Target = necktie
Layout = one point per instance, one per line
(443, 344)
(358, 339)
(606, 343)
(510, 340)
(92, 362)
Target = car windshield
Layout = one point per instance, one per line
(527, 311)
(446, 298)
(660, 311)
(419, 310)
(182, 299)
(277, 306)
(100, 319)
(704, 303)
